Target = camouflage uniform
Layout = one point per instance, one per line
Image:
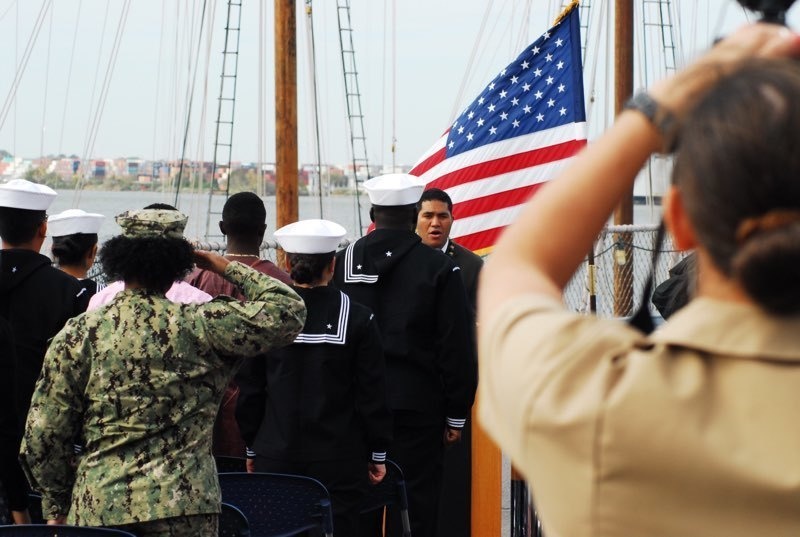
(141, 379)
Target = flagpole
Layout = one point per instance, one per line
(623, 214)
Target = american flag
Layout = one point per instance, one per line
(520, 132)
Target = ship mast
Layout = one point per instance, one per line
(285, 113)
(623, 214)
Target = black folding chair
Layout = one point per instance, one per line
(35, 508)
(232, 522)
(278, 505)
(227, 464)
(390, 491)
(43, 530)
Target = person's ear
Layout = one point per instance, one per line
(92, 256)
(677, 220)
(222, 228)
(41, 233)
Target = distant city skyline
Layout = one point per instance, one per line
(145, 107)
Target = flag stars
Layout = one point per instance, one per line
(461, 130)
(480, 101)
(515, 123)
(503, 94)
(491, 86)
(503, 72)
(526, 87)
(471, 115)
(491, 108)
(449, 146)
(551, 103)
(514, 101)
(527, 109)
(562, 88)
(550, 80)
(480, 122)
(503, 116)
(538, 94)
(470, 136)
(547, 35)
(559, 42)
(563, 111)
(540, 117)
(549, 57)
(514, 80)
(535, 50)
(493, 130)
(537, 72)
(525, 65)
(560, 65)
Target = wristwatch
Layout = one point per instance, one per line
(660, 117)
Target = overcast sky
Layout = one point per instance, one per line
(411, 86)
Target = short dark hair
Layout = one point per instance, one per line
(395, 216)
(307, 268)
(72, 249)
(244, 214)
(435, 194)
(153, 262)
(161, 207)
(18, 226)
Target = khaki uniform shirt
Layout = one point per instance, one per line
(140, 379)
(692, 431)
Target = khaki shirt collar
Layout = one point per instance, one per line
(733, 329)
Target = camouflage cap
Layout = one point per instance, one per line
(152, 223)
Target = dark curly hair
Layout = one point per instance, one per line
(72, 249)
(153, 262)
(307, 268)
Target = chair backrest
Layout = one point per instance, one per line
(278, 504)
(43, 530)
(35, 508)
(227, 464)
(390, 491)
(232, 522)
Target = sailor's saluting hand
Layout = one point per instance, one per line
(210, 261)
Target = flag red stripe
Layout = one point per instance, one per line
(480, 240)
(429, 162)
(494, 202)
(498, 166)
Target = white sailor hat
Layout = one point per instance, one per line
(23, 194)
(74, 221)
(310, 237)
(394, 189)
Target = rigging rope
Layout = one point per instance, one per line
(112, 61)
(158, 87)
(84, 167)
(8, 10)
(470, 64)
(312, 67)
(26, 55)
(191, 99)
(46, 82)
(69, 78)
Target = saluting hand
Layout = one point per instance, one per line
(376, 472)
(210, 261)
